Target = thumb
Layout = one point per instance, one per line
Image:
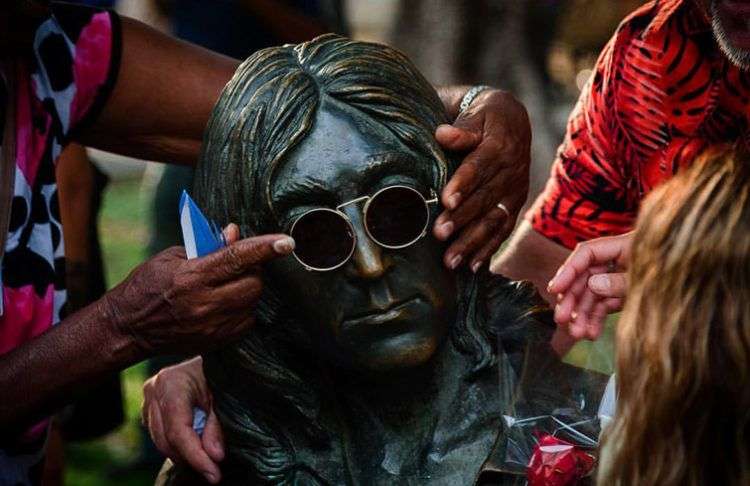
(458, 137)
(608, 284)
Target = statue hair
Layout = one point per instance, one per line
(264, 112)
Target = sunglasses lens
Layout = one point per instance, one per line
(397, 216)
(323, 239)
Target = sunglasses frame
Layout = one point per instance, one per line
(348, 221)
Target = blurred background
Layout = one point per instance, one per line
(541, 50)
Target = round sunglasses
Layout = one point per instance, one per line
(394, 217)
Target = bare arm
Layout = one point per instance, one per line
(75, 182)
(167, 305)
(163, 97)
(531, 256)
(44, 373)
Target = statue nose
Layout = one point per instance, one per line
(367, 261)
(368, 258)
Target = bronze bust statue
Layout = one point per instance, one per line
(370, 363)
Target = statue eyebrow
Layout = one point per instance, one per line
(382, 164)
(307, 192)
(315, 192)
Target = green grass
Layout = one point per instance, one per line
(123, 231)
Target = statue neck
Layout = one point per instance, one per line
(417, 420)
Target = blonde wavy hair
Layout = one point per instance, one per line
(683, 340)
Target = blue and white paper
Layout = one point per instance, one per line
(201, 237)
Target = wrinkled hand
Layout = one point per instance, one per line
(167, 412)
(174, 305)
(495, 134)
(591, 284)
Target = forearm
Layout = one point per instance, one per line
(164, 94)
(40, 376)
(75, 183)
(531, 256)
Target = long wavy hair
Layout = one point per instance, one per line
(268, 388)
(683, 340)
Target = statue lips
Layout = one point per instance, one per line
(394, 312)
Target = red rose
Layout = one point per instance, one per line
(555, 462)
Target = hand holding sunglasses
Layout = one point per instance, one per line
(395, 217)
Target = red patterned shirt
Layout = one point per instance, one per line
(661, 92)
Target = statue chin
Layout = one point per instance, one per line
(400, 353)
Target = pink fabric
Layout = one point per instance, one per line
(30, 143)
(93, 47)
(26, 316)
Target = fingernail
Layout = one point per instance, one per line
(454, 200)
(476, 266)
(284, 246)
(573, 315)
(446, 126)
(549, 285)
(557, 308)
(211, 477)
(447, 229)
(455, 262)
(599, 282)
(560, 297)
(218, 448)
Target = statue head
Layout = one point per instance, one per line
(328, 124)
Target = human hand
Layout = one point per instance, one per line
(178, 306)
(495, 134)
(591, 284)
(167, 412)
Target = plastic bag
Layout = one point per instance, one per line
(553, 421)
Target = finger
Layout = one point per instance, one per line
(238, 293)
(483, 256)
(148, 390)
(597, 319)
(608, 285)
(231, 233)
(614, 305)
(581, 316)
(472, 237)
(189, 449)
(484, 202)
(474, 172)
(157, 432)
(457, 138)
(601, 310)
(213, 438)
(594, 252)
(566, 304)
(242, 256)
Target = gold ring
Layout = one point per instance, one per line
(502, 208)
